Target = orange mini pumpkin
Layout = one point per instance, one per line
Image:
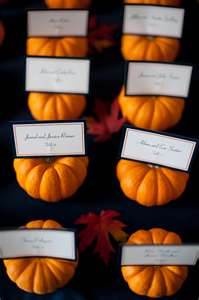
(2, 33)
(40, 275)
(59, 47)
(68, 3)
(51, 179)
(46, 106)
(154, 281)
(150, 185)
(137, 47)
(155, 2)
(151, 112)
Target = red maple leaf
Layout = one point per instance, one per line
(107, 122)
(3, 1)
(98, 230)
(2, 32)
(101, 36)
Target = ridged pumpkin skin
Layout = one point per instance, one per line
(154, 281)
(2, 33)
(47, 106)
(58, 47)
(155, 2)
(150, 185)
(151, 112)
(53, 180)
(40, 275)
(137, 47)
(68, 3)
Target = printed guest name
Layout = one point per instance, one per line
(47, 136)
(162, 253)
(165, 19)
(160, 146)
(58, 20)
(45, 71)
(159, 76)
(36, 240)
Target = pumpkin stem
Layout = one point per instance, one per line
(150, 38)
(49, 159)
(153, 166)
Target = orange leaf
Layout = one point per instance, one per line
(103, 44)
(101, 36)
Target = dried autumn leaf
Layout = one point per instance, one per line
(2, 33)
(3, 1)
(101, 36)
(107, 122)
(103, 44)
(99, 229)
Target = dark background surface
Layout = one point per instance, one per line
(101, 191)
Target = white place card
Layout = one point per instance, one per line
(38, 243)
(57, 75)
(49, 139)
(158, 149)
(133, 255)
(158, 79)
(153, 20)
(55, 23)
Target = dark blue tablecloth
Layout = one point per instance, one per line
(101, 191)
